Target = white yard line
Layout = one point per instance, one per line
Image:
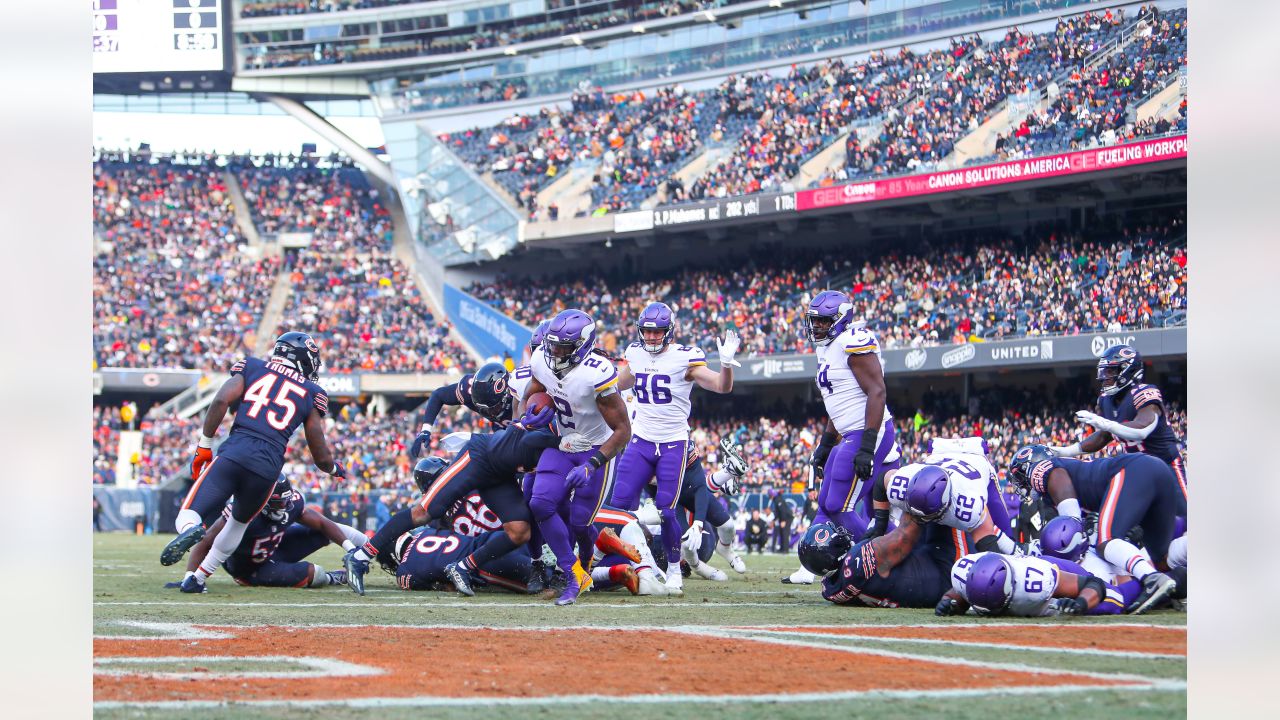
(638, 699)
(984, 645)
(318, 667)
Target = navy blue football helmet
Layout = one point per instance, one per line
(300, 351)
(427, 470)
(1119, 368)
(1029, 469)
(823, 547)
(490, 392)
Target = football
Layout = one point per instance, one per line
(537, 401)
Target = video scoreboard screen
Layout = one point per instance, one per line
(143, 36)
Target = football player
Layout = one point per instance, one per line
(488, 464)
(1127, 491)
(956, 488)
(1131, 411)
(1023, 586)
(271, 398)
(1063, 541)
(662, 375)
(851, 381)
(486, 391)
(276, 543)
(421, 561)
(637, 572)
(583, 386)
(906, 567)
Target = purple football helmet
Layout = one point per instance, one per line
(829, 315)
(569, 340)
(539, 333)
(656, 316)
(929, 493)
(1063, 537)
(990, 585)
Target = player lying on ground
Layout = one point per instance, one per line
(271, 399)
(908, 567)
(421, 561)
(995, 584)
(487, 464)
(955, 487)
(1126, 491)
(703, 514)
(639, 573)
(851, 381)
(1063, 538)
(275, 544)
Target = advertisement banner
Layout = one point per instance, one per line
(340, 385)
(1022, 352)
(490, 332)
(145, 380)
(1107, 158)
(121, 509)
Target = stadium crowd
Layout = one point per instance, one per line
(174, 284)
(903, 112)
(1049, 284)
(1095, 107)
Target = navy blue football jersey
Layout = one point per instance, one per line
(277, 399)
(1092, 478)
(917, 582)
(511, 450)
(266, 530)
(1123, 407)
(426, 555)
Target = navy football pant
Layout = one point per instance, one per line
(222, 480)
(466, 474)
(285, 567)
(1144, 493)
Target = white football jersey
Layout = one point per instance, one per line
(968, 502)
(519, 381)
(575, 394)
(844, 398)
(662, 390)
(1034, 581)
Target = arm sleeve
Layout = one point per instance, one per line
(321, 402)
(537, 439)
(447, 395)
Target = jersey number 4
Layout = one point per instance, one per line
(259, 392)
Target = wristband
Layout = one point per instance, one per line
(869, 441)
(426, 428)
(205, 442)
(597, 459)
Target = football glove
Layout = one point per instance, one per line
(1068, 606)
(729, 348)
(532, 420)
(819, 459)
(1097, 421)
(203, 457)
(422, 440)
(693, 536)
(338, 471)
(947, 606)
(575, 443)
(579, 476)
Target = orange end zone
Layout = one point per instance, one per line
(1154, 640)
(490, 663)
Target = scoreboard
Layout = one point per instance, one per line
(146, 36)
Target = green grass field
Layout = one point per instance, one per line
(128, 593)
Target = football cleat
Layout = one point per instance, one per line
(179, 546)
(1156, 587)
(173, 585)
(675, 583)
(337, 577)
(609, 542)
(731, 557)
(570, 594)
(356, 570)
(460, 577)
(710, 573)
(537, 578)
(800, 577)
(626, 577)
(193, 584)
(651, 584)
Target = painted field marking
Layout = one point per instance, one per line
(630, 603)
(983, 645)
(318, 667)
